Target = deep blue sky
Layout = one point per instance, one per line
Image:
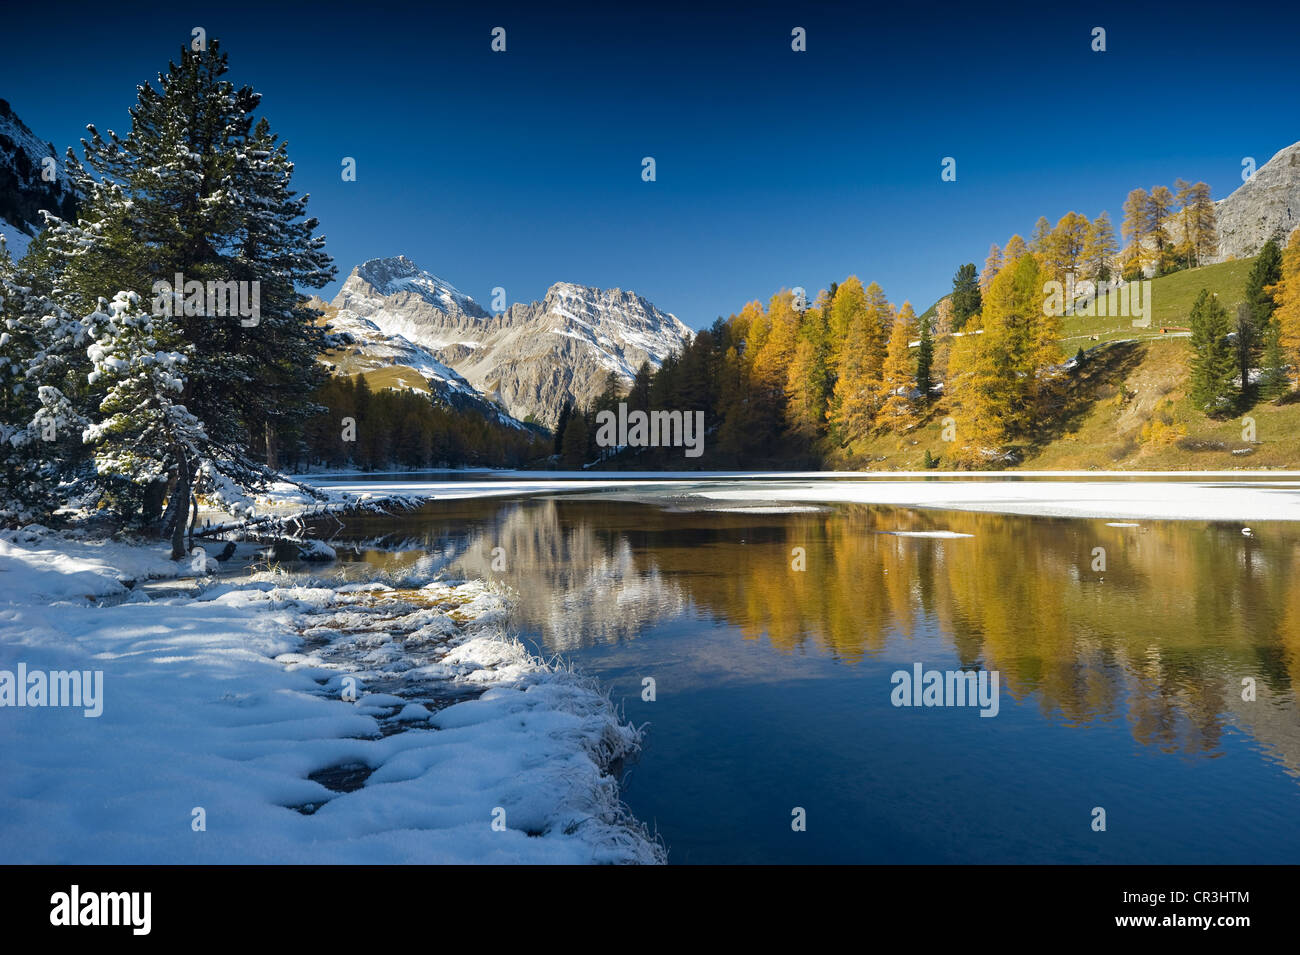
(775, 168)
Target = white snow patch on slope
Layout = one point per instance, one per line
(38, 565)
(390, 344)
(16, 241)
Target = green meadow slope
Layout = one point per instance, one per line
(1127, 405)
(1172, 297)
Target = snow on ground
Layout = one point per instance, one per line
(224, 705)
(323, 472)
(37, 564)
(770, 509)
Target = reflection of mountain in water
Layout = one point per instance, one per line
(1160, 637)
(576, 586)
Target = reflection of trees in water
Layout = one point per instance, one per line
(1161, 638)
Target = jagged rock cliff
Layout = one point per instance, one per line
(1267, 205)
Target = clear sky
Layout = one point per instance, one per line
(774, 168)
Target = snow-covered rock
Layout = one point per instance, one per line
(398, 275)
(15, 239)
(315, 550)
(24, 186)
(359, 345)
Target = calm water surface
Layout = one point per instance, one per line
(1121, 687)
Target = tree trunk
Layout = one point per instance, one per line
(152, 507)
(270, 445)
(193, 512)
(182, 498)
(169, 513)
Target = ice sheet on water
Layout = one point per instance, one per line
(941, 535)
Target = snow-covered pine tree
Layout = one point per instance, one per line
(145, 434)
(42, 382)
(196, 188)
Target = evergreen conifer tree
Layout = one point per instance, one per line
(200, 189)
(965, 295)
(1213, 362)
(145, 434)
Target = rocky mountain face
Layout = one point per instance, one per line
(25, 188)
(531, 358)
(1267, 205)
(357, 346)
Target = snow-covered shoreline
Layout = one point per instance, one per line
(222, 707)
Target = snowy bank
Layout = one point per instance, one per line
(38, 564)
(277, 720)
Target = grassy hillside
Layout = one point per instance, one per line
(1127, 406)
(1172, 297)
(1128, 410)
(377, 374)
(396, 376)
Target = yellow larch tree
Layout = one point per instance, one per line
(772, 360)
(898, 375)
(1015, 249)
(978, 431)
(991, 266)
(849, 302)
(858, 369)
(1286, 293)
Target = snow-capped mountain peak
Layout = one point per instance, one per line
(623, 324)
(535, 356)
(396, 275)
